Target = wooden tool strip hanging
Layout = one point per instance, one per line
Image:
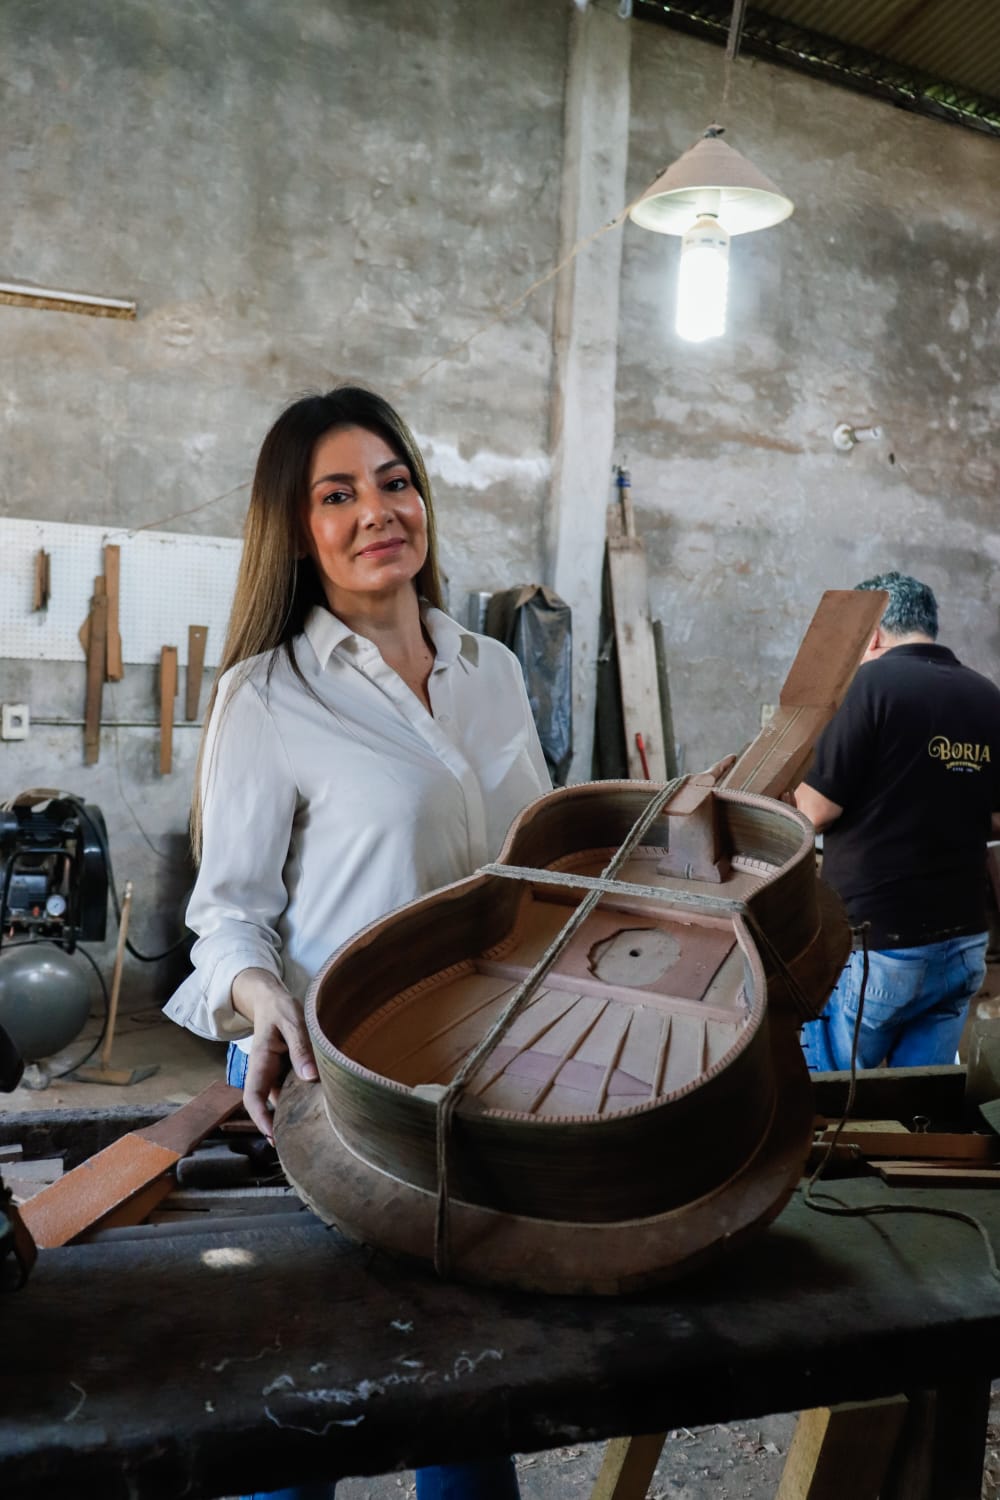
(42, 589)
(115, 671)
(99, 637)
(95, 631)
(197, 638)
(168, 692)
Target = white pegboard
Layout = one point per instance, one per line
(168, 581)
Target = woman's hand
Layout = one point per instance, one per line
(279, 1038)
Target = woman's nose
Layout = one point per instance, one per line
(373, 507)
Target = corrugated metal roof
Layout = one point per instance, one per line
(937, 57)
(957, 40)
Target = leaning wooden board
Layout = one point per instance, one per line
(640, 688)
(814, 689)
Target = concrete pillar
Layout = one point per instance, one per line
(586, 338)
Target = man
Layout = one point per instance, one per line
(905, 780)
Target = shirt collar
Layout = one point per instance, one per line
(325, 633)
(931, 649)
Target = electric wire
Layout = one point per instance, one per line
(106, 1000)
(99, 835)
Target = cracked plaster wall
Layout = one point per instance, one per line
(294, 195)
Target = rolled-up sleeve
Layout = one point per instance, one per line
(248, 807)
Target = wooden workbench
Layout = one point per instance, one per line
(203, 1365)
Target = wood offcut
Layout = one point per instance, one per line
(42, 583)
(197, 638)
(168, 692)
(635, 644)
(119, 1180)
(112, 575)
(96, 647)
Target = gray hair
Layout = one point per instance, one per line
(912, 607)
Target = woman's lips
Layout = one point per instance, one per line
(377, 547)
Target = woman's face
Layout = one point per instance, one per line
(365, 526)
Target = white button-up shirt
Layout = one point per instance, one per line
(329, 803)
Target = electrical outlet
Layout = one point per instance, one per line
(14, 720)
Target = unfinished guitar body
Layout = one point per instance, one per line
(649, 1103)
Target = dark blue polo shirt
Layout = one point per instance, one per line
(913, 758)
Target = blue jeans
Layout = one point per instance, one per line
(490, 1479)
(914, 1007)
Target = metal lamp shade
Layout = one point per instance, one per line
(714, 179)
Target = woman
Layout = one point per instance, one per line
(362, 748)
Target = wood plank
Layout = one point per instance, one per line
(894, 1093)
(942, 1448)
(42, 589)
(188, 1126)
(168, 692)
(814, 689)
(96, 648)
(640, 690)
(914, 1173)
(112, 573)
(197, 640)
(106, 1182)
(628, 1467)
(842, 1450)
(136, 1210)
(921, 1146)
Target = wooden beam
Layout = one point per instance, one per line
(96, 648)
(842, 1451)
(112, 575)
(628, 1467)
(122, 1172)
(197, 638)
(640, 690)
(168, 692)
(43, 580)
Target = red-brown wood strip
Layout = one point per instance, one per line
(187, 1127)
(168, 692)
(112, 573)
(94, 1189)
(106, 1182)
(96, 647)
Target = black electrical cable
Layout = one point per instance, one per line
(54, 943)
(146, 958)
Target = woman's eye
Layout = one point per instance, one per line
(335, 497)
(397, 483)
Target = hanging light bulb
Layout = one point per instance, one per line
(703, 281)
(710, 193)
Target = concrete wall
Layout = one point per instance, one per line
(330, 189)
(294, 194)
(876, 303)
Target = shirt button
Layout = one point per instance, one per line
(443, 719)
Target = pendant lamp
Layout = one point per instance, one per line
(709, 194)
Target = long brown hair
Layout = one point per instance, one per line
(275, 587)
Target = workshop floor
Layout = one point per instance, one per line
(742, 1461)
(184, 1065)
